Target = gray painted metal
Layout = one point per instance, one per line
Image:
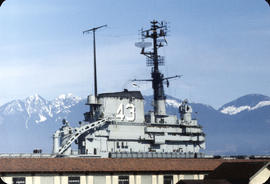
(125, 131)
(117, 126)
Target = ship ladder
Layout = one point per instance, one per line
(80, 131)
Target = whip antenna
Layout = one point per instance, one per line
(94, 46)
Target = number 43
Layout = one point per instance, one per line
(120, 113)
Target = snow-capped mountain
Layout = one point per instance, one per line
(29, 123)
(64, 102)
(245, 103)
(229, 130)
(35, 109)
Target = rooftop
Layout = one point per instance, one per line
(62, 165)
(123, 94)
(237, 172)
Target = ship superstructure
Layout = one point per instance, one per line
(117, 126)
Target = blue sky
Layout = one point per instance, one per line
(221, 47)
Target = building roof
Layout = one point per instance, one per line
(13, 165)
(48, 165)
(123, 94)
(203, 182)
(239, 172)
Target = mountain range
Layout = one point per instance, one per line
(240, 127)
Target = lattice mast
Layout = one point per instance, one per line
(153, 59)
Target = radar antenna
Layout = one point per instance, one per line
(157, 33)
(94, 45)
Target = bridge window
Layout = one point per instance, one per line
(18, 180)
(74, 180)
(123, 180)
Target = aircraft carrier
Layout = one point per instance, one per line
(117, 126)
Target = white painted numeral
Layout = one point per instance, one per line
(131, 109)
(120, 113)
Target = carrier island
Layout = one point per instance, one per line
(117, 125)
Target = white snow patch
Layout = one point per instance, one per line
(232, 110)
(33, 97)
(64, 102)
(13, 107)
(68, 96)
(261, 104)
(41, 119)
(173, 103)
(62, 96)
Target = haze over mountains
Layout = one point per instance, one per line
(241, 126)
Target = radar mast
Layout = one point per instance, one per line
(157, 33)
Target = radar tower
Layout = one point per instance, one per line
(157, 33)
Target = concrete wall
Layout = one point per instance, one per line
(106, 179)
